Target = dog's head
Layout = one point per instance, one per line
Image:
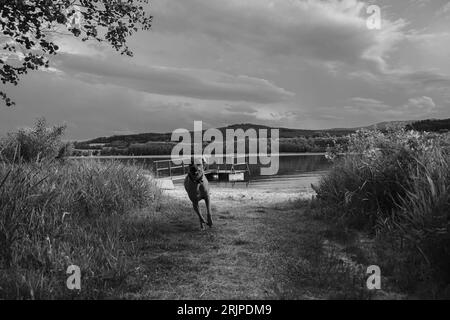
(196, 171)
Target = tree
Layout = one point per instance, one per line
(28, 28)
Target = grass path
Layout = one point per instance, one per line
(262, 246)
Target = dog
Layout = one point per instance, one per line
(197, 188)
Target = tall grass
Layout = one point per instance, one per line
(396, 185)
(54, 214)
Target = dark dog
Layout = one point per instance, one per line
(197, 188)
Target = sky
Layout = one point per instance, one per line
(308, 64)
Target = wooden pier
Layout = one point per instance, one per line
(237, 172)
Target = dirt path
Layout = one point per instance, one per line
(252, 252)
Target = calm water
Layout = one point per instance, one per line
(296, 173)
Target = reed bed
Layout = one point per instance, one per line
(395, 186)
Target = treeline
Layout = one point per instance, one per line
(430, 126)
(287, 145)
(133, 138)
(285, 133)
(141, 149)
(302, 144)
(291, 140)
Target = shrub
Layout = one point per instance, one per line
(396, 185)
(368, 183)
(34, 144)
(420, 224)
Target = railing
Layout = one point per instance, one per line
(170, 167)
(166, 166)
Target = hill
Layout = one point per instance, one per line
(165, 137)
(292, 140)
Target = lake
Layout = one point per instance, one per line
(297, 171)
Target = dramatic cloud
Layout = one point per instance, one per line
(291, 63)
(193, 83)
(323, 30)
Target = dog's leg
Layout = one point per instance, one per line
(197, 210)
(208, 209)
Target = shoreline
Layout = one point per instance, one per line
(293, 154)
(262, 196)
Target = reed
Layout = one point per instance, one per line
(396, 186)
(55, 213)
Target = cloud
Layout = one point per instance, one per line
(421, 105)
(445, 10)
(186, 82)
(95, 109)
(424, 77)
(414, 108)
(331, 30)
(406, 80)
(371, 104)
(290, 63)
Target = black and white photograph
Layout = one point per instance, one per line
(209, 151)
